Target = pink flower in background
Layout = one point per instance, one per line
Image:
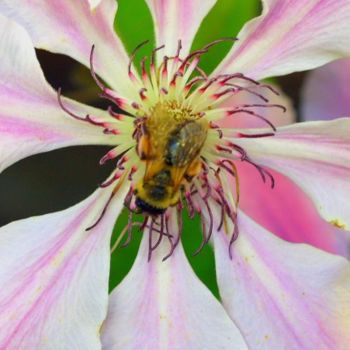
(326, 94)
(275, 294)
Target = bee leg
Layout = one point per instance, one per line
(193, 170)
(128, 200)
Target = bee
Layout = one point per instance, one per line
(170, 146)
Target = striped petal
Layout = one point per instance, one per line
(31, 120)
(283, 295)
(71, 28)
(326, 93)
(316, 156)
(56, 277)
(286, 211)
(94, 3)
(163, 305)
(290, 36)
(178, 20)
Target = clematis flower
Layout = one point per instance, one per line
(249, 185)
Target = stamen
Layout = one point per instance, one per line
(218, 41)
(108, 156)
(150, 240)
(247, 111)
(261, 170)
(127, 228)
(189, 204)
(87, 117)
(132, 57)
(153, 57)
(115, 115)
(242, 88)
(255, 135)
(109, 182)
(234, 235)
(179, 47)
(142, 93)
(102, 213)
(143, 68)
(106, 92)
(135, 105)
(93, 73)
(165, 67)
(204, 239)
(194, 81)
(217, 128)
(269, 105)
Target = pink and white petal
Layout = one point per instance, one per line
(316, 156)
(163, 305)
(283, 295)
(31, 120)
(286, 211)
(274, 114)
(94, 3)
(56, 277)
(326, 93)
(290, 36)
(71, 28)
(178, 20)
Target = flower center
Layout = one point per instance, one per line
(171, 148)
(169, 141)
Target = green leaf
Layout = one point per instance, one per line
(134, 24)
(225, 20)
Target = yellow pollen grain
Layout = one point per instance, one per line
(179, 113)
(337, 223)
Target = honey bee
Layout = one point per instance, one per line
(170, 145)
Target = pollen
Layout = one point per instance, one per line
(178, 113)
(337, 223)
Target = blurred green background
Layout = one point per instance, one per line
(53, 181)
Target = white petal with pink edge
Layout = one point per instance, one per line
(71, 28)
(283, 295)
(286, 211)
(56, 277)
(31, 119)
(178, 20)
(290, 36)
(326, 93)
(162, 305)
(316, 156)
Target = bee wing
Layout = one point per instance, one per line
(185, 144)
